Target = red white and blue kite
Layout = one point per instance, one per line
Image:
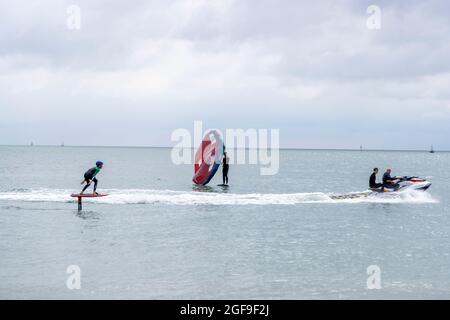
(208, 158)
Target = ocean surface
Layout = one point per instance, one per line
(157, 236)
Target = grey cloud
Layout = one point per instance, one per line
(311, 69)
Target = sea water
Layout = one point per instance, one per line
(157, 236)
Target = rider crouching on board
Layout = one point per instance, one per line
(90, 176)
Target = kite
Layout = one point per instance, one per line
(208, 158)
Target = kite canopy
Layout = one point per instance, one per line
(208, 157)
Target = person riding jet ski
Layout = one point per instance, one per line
(389, 182)
(396, 184)
(373, 180)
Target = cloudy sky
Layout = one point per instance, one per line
(137, 70)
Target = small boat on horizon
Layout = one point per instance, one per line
(432, 149)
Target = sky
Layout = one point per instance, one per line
(135, 71)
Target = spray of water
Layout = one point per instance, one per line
(170, 197)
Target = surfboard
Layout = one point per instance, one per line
(223, 185)
(88, 195)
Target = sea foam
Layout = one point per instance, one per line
(189, 198)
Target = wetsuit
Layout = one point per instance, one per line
(225, 168)
(373, 182)
(387, 177)
(90, 175)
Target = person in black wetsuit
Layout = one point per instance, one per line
(90, 176)
(373, 180)
(388, 181)
(225, 168)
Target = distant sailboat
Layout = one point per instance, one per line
(31, 144)
(361, 148)
(62, 144)
(432, 149)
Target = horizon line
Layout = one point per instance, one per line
(193, 148)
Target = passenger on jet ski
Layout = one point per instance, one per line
(389, 182)
(373, 180)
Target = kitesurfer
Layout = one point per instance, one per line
(373, 180)
(388, 181)
(225, 168)
(89, 176)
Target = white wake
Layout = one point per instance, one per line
(189, 198)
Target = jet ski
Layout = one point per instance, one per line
(405, 183)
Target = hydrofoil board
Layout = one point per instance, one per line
(88, 195)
